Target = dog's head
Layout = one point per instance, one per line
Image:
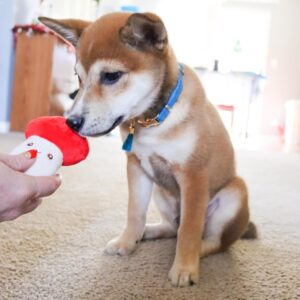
(121, 65)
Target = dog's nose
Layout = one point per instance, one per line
(75, 122)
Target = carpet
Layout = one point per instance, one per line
(56, 252)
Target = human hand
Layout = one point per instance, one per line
(19, 192)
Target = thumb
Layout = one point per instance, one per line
(20, 162)
(45, 185)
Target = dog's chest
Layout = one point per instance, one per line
(159, 170)
(148, 157)
(157, 156)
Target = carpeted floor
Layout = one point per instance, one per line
(57, 251)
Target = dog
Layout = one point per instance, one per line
(127, 72)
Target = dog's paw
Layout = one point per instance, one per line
(120, 246)
(181, 276)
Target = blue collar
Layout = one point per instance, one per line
(162, 115)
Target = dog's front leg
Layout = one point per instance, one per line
(139, 188)
(194, 195)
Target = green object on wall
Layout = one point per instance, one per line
(237, 47)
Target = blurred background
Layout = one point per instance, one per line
(246, 53)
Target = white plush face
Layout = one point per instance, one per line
(49, 157)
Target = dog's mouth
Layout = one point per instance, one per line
(117, 122)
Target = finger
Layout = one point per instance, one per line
(29, 206)
(32, 206)
(16, 213)
(9, 216)
(45, 185)
(20, 162)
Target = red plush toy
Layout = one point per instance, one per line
(54, 144)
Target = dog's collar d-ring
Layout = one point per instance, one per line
(162, 115)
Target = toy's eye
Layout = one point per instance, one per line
(50, 156)
(30, 144)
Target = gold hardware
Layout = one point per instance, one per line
(132, 126)
(148, 122)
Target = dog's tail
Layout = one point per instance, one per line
(250, 232)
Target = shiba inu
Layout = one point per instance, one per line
(177, 147)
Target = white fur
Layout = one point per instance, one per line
(150, 141)
(167, 204)
(176, 150)
(144, 153)
(229, 206)
(80, 71)
(142, 192)
(101, 113)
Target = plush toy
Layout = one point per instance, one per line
(54, 144)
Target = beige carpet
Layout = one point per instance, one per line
(57, 251)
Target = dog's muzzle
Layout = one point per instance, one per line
(75, 122)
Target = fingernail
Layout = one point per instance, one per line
(30, 154)
(59, 177)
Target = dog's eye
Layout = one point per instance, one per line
(110, 77)
(30, 144)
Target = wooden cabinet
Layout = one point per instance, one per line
(32, 78)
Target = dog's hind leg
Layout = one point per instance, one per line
(227, 217)
(168, 207)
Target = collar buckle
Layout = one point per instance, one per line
(148, 122)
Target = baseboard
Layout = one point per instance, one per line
(4, 127)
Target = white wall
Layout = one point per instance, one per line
(6, 22)
(283, 63)
(188, 23)
(81, 9)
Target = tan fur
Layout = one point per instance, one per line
(189, 158)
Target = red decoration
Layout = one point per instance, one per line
(55, 129)
(41, 29)
(32, 153)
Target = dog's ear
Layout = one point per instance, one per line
(68, 29)
(145, 31)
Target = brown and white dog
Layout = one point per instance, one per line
(127, 70)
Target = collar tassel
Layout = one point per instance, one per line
(127, 146)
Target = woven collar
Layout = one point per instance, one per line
(162, 115)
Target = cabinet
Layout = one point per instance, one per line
(32, 78)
